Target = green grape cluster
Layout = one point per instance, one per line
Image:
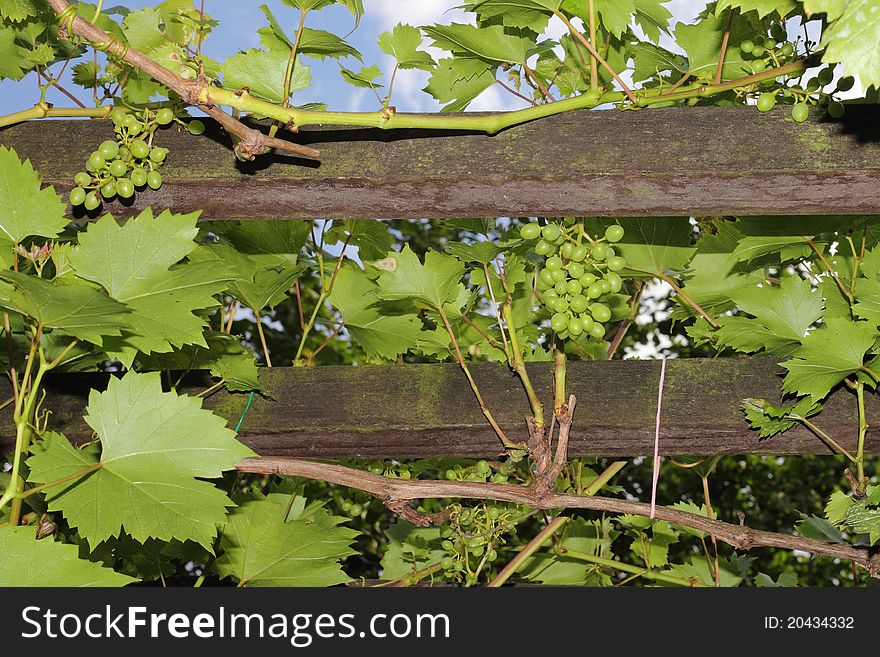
(473, 537)
(481, 471)
(120, 166)
(357, 503)
(579, 273)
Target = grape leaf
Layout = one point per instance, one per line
(772, 420)
(651, 60)
(482, 252)
(782, 315)
(262, 73)
(490, 42)
(380, 334)
(14, 64)
(785, 580)
(261, 549)
(656, 245)
(819, 529)
(731, 571)
(410, 548)
(365, 78)
(827, 356)
(531, 14)
(867, 298)
(764, 8)
(25, 209)
(852, 36)
(18, 10)
(615, 15)
(435, 283)
(757, 246)
(269, 243)
(702, 43)
(456, 81)
(321, 44)
(28, 562)
(372, 238)
(588, 536)
(84, 312)
(653, 17)
(403, 43)
(155, 447)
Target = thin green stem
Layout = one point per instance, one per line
(519, 366)
(628, 568)
(594, 64)
(827, 439)
(528, 550)
(291, 60)
(604, 478)
(259, 323)
(863, 430)
(559, 397)
(843, 288)
(709, 514)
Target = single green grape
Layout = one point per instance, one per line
(559, 322)
(836, 109)
(118, 168)
(812, 84)
(800, 112)
(758, 65)
(588, 279)
(573, 287)
(108, 189)
(77, 196)
(133, 125)
(195, 127)
(553, 262)
(615, 281)
(543, 248)
(600, 312)
(530, 231)
(96, 161)
(579, 253)
(560, 305)
(139, 149)
(578, 304)
(616, 263)
(547, 277)
(109, 149)
(566, 249)
(551, 232)
(561, 288)
(139, 176)
(787, 50)
(575, 269)
(158, 154)
(483, 467)
(118, 114)
(605, 286)
(82, 179)
(356, 510)
(769, 44)
(558, 275)
(125, 188)
(446, 563)
(600, 251)
(758, 50)
(164, 116)
(614, 233)
(154, 179)
(766, 102)
(747, 46)
(846, 83)
(597, 331)
(92, 201)
(595, 290)
(825, 76)
(575, 326)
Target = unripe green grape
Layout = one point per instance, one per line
(550, 296)
(492, 556)
(787, 50)
(447, 545)
(118, 168)
(579, 253)
(139, 176)
(478, 550)
(96, 161)
(588, 279)
(195, 127)
(139, 149)
(605, 286)
(530, 231)
(758, 66)
(578, 304)
(610, 253)
(446, 563)
(766, 102)
(846, 83)
(560, 305)
(597, 331)
(547, 277)
(588, 323)
(616, 263)
(769, 44)
(356, 510)
(92, 201)
(543, 248)
(550, 232)
(836, 109)
(125, 188)
(575, 326)
(108, 189)
(574, 287)
(561, 288)
(747, 46)
(109, 149)
(404, 474)
(600, 251)
(575, 269)
(758, 50)
(800, 112)
(77, 196)
(615, 281)
(614, 233)
(154, 179)
(825, 76)
(554, 262)
(82, 179)
(558, 275)
(158, 155)
(451, 475)
(483, 467)
(595, 290)
(118, 115)
(499, 478)
(164, 116)
(600, 312)
(559, 322)
(345, 506)
(812, 84)
(133, 125)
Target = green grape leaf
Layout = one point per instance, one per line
(615, 15)
(84, 312)
(837, 507)
(435, 283)
(852, 36)
(819, 529)
(731, 571)
(25, 209)
(225, 357)
(531, 14)
(482, 252)
(268, 243)
(863, 518)
(702, 43)
(260, 549)
(593, 537)
(321, 44)
(772, 420)
(14, 64)
(28, 562)
(365, 78)
(133, 262)
(456, 81)
(381, 335)
(655, 245)
(764, 8)
(262, 73)
(785, 580)
(757, 246)
(827, 356)
(403, 43)
(18, 10)
(782, 315)
(867, 298)
(651, 60)
(653, 17)
(490, 42)
(371, 238)
(410, 548)
(155, 449)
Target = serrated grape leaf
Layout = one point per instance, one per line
(702, 43)
(819, 529)
(489, 42)
(380, 334)
(14, 64)
(403, 43)
(18, 10)
(731, 571)
(589, 536)
(764, 7)
(656, 245)
(482, 252)
(225, 357)
(321, 44)
(827, 356)
(84, 312)
(155, 449)
(260, 549)
(772, 420)
(851, 36)
(782, 315)
(28, 562)
(864, 518)
(435, 283)
(456, 81)
(133, 262)
(653, 17)
(752, 247)
(25, 208)
(269, 242)
(531, 14)
(410, 548)
(614, 15)
(651, 60)
(867, 298)
(372, 238)
(785, 580)
(365, 78)
(262, 73)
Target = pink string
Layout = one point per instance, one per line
(656, 475)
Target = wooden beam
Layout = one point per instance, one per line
(429, 410)
(656, 162)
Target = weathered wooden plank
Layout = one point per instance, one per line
(675, 161)
(429, 410)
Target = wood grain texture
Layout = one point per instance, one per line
(656, 162)
(429, 410)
